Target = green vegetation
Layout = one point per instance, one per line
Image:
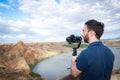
(70, 45)
(34, 75)
(35, 62)
(75, 45)
(62, 52)
(31, 66)
(83, 45)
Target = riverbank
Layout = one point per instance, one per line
(42, 59)
(113, 76)
(65, 45)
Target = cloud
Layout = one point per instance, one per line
(18, 37)
(53, 20)
(115, 3)
(4, 5)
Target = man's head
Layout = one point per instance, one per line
(93, 29)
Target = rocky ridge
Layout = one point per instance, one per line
(15, 60)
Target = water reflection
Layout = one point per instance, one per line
(116, 51)
(54, 68)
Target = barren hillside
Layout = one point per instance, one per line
(112, 42)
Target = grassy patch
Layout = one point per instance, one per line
(75, 45)
(70, 45)
(35, 62)
(83, 45)
(31, 66)
(34, 75)
(62, 52)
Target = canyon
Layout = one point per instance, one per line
(15, 59)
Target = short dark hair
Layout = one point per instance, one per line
(96, 26)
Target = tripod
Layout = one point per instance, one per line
(75, 49)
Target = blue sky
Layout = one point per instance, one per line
(54, 20)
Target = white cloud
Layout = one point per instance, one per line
(53, 21)
(11, 1)
(115, 3)
(4, 5)
(17, 25)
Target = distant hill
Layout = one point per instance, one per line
(117, 38)
(112, 42)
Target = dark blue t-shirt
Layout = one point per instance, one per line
(95, 62)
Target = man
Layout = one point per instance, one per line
(95, 62)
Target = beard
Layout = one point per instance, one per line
(86, 38)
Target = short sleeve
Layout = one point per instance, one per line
(81, 62)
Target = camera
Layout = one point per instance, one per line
(73, 39)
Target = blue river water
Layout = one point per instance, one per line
(57, 67)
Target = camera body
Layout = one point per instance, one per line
(73, 39)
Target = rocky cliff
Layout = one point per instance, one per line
(14, 60)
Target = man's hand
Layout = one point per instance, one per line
(74, 58)
(75, 71)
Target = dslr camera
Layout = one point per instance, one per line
(73, 39)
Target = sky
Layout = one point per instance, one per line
(54, 20)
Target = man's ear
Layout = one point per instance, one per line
(92, 33)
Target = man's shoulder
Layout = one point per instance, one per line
(85, 51)
(88, 49)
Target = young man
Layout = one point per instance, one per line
(95, 62)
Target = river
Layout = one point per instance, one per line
(56, 67)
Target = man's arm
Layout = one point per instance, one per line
(75, 71)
